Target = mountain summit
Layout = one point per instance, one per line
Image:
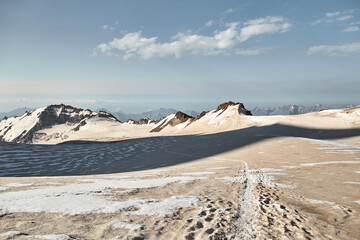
(22, 129)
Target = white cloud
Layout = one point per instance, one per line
(344, 18)
(229, 10)
(209, 23)
(223, 42)
(351, 29)
(335, 16)
(335, 50)
(104, 27)
(109, 27)
(252, 51)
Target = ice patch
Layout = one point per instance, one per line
(276, 173)
(18, 184)
(336, 147)
(357, 201)
(239, 179)
(333, 162)
(11, 234)
(165, 207)
(290, 166)
(134, 183)
(117, 177)
(3, 188)
(315, 201)
(353, 182)
(336, 207)
(126, 225)
(51, 237)
(357, 171)
(70, 199)
(218, 168)
(266, 170)
(198, 173)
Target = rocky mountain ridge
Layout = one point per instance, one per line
(156, 114)
(22, 129)
(60, 121)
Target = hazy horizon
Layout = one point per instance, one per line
(206, 107)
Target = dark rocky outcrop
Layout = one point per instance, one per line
(222, 107)
(143, 121)
(201, 115)
(178, 118)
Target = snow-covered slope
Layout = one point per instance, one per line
(23, 129)
(224, 117)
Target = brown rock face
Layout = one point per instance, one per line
(224, 106)
(201, 115)
(179, 117)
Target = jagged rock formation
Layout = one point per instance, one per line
(222, 107)
(173, 120)
(142, 121)
(156, 114)
(22, 129)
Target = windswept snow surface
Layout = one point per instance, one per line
(51, 237)
(198, 173)
(69, 199)
(166, 206)
(11, 234)
(332, 162)
(335, 146)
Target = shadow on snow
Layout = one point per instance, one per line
(85, 158)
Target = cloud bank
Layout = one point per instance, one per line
(226, 42)
(335, 50)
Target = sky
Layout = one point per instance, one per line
(136, 56)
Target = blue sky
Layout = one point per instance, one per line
(141, 55)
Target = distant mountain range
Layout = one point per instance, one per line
(154, 114)
(291, 109)
(160, 113)
(16, 112)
